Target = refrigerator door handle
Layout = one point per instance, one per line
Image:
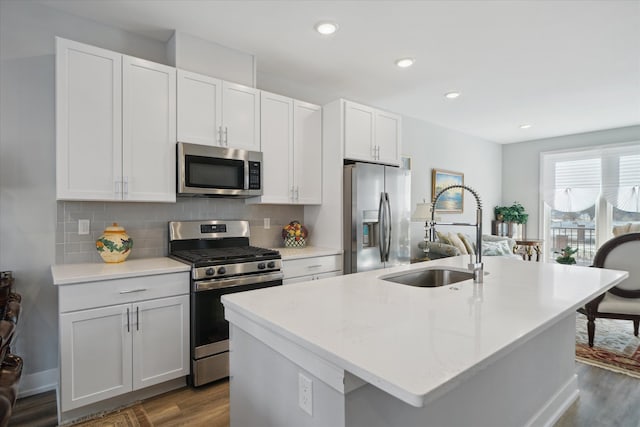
(381, 226)
(388, 223)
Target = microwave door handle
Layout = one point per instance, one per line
(246, 174)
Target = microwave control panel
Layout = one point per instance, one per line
(254, 175)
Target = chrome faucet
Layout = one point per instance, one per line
(477, 266)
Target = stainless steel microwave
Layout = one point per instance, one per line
(205, 170)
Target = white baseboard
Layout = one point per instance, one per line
(38, 382)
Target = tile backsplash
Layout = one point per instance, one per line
(146, 224)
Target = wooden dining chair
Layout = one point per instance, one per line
(621, 301)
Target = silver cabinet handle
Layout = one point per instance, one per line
(315, 266)
(219, 136)
(130, 291)
(137, 318)
(292, 193)
(125, 185)
(226, 136)
(128, 325)
(297, 193)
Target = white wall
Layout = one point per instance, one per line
(431, 146)
(521, 166)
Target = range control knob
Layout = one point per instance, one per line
(271, 264)
(261, 266)
(209, 272)
(222, 270)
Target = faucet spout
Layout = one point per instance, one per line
(477, 266)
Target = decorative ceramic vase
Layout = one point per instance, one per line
(115, 244)
(294, 235)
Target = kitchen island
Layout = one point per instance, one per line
(357, 350)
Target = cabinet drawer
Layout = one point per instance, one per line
(309, 266)
(311, 277)
(120, 291)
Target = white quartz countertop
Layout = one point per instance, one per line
(306, 252)
(416, 343)
(68, 274)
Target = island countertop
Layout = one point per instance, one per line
(416, 343)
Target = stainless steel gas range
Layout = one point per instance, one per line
(222, 262)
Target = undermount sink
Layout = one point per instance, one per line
(430, 277)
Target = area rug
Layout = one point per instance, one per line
(614, 346)
(134, 416)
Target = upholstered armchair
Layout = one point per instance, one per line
(622, 301)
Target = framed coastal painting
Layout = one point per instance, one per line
(451, 201)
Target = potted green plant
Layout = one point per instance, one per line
(566, 256)
(514, 213)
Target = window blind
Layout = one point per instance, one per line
(573, 181)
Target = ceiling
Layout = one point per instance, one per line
(562, 66)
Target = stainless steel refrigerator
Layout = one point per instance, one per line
(377, 201)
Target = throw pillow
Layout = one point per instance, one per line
(455, 241)
(499, 248)
(443, 238)
(621, 229)
(466, 240)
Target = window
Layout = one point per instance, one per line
(586, 193)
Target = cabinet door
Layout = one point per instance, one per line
(387, 137)
(358, 132)
(307, 153)
(160, 340)
(199, 108)
(88, 122)
(240, 116)
(276, 136)
(149, 129)
(95, 355)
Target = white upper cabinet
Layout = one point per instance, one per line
(115, 126)
(307, 153)
(241, 116)
(199, 108)
(371, 135)
(149, 131)
(88, 122)
(218, 113)
(276, 135)
(291, 142)
(387, 137)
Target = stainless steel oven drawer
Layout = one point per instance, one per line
(210, 368)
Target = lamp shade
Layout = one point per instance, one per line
(422, 212)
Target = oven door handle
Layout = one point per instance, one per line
(230, 282)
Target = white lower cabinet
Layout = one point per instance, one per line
(122, 345)
(313, 268)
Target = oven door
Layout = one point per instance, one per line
(209, 328)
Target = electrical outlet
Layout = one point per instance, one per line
(267, 223)
(305, 394)
(83, 226)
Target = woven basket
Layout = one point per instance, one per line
(291, 242)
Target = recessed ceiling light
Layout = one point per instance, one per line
(452, 95)
(405, 62)
(525, 126)
(326, 28)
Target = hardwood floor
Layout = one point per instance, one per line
(607, 399)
